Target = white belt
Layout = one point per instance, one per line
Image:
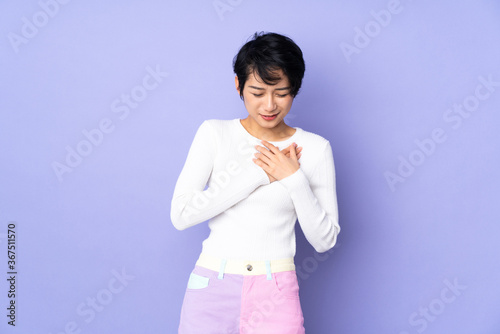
(244, 267)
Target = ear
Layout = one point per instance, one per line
(237, 84)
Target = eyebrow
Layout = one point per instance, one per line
(260, 88)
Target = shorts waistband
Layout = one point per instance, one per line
(244, 267)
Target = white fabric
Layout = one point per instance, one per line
(251, 218)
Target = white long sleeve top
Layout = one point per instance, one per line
(251, 218)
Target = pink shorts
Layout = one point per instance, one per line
(241, 304)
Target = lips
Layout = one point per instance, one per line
(269, 117)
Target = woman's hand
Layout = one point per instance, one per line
(286, 151)
(278, 164)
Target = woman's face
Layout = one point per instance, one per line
(266, 104)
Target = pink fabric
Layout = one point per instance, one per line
(271, 306)
(242, 304)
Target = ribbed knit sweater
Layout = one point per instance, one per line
(251, 218)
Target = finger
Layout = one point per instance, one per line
(261, 164)
(264, 151)
(263, 158)
(297, 149)
(271, 147)
(286, 150)
(293, 154)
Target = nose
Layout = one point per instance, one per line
(270, 104)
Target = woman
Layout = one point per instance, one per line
(259, 183)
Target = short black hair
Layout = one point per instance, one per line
(266, 53)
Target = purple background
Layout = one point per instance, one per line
(399, 245)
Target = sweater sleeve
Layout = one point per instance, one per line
(191, 202)
(315, 201)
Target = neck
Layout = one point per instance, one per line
(277, 133)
